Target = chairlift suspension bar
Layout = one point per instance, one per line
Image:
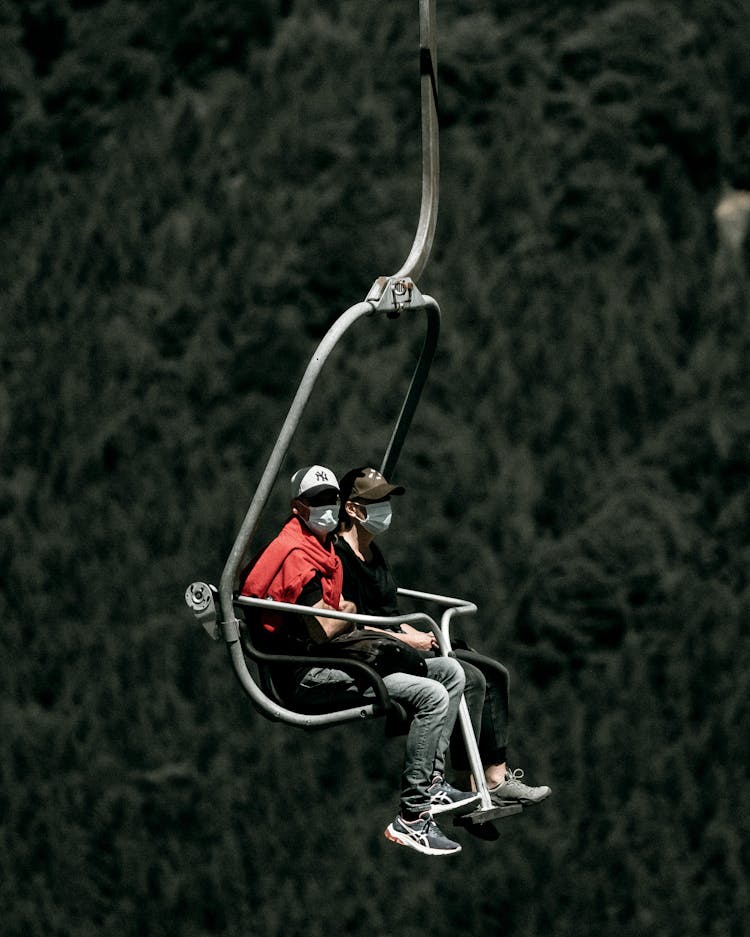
(412, 267)
(422, 245)
(411, 400)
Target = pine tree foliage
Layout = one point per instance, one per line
(190, 194)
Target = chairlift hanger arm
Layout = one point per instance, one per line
(412, 268)
(409, 407)
(422, 245)
(263, 491)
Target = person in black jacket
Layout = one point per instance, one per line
(365, 513)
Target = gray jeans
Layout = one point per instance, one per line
(431, 701)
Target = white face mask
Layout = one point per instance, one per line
(378, 518)
(323, 518)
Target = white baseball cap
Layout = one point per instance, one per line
(311, 480)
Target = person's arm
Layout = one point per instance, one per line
(319, 627)
(330, 627)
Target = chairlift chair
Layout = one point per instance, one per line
(396, 297)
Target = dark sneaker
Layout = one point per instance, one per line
(444, 798)
(514, 790)
(423, 834)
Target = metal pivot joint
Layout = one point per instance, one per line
(200, 600)
(392, 296)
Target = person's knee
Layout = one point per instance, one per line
(436, 697)
(448, 672)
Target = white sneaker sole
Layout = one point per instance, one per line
(403, 840)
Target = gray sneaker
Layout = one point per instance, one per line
(513, 789)
(444, 798)
(423, 834)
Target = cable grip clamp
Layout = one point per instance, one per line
(394, 296)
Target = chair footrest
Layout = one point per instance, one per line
(486, 816)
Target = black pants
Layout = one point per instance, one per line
(487, 697)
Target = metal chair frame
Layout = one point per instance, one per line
(392, 296)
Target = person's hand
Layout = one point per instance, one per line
(346, 606)
(419, 640)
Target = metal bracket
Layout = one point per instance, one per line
(394, 295)
(199, 597)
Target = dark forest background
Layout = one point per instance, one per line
(192, 192)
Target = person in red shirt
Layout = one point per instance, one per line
(300, 566)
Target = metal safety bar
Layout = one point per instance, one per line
(455, 607)
(413, 618)
(317, 720)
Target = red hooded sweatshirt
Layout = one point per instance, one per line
(285, 567)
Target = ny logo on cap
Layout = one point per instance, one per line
(322, 476)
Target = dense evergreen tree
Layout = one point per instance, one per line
(190, 193)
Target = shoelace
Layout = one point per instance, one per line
(436, 788)
(420, 827)
(514, 777)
